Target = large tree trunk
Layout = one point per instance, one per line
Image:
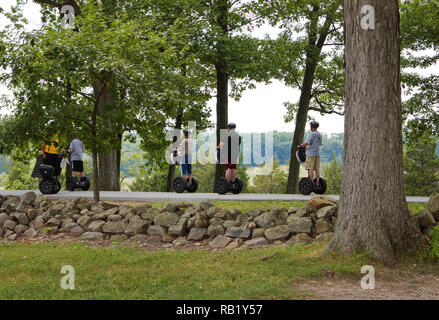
(299, 131)
(222, 84)
(373, 215)
(109, 162)
(171, 169)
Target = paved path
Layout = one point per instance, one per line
(191, 197)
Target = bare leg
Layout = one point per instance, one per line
(228, 175)
(233, 175)
(82, 174)
(190, 178)
(311, 174)
(318, 176)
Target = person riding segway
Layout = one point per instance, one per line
(228, 154)
(183, 156)
(308, 153)
(50, 169)
(76, 150)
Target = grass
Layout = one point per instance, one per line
(34, 272)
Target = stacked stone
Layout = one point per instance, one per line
(428, 218)
(33, 217)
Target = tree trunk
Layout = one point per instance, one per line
(222, 84)
(373, 215)
(299, 131)
(171, 169)
(109, 162)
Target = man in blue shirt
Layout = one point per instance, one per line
(312, 152)
(76, 149)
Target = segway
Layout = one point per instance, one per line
(306, 185)
(72, 183)
(222, 186)
(49, 184)
(180, 184)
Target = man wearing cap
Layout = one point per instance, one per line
(312, 145)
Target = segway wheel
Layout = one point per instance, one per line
(46, 186)
(306, 186)
(71, 184)
(237, 188)
(194, 186)
(85, 183)
(221, 186)
(321, 187)
(179, 185)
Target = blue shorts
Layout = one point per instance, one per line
(186, 165)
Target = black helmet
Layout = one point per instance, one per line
(231, 125)
(186, 132)
(314, 124)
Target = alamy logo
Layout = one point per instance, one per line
(68, 17)
(68, 281)
(368, 18)
(368, 281)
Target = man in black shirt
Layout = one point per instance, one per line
(229, 151)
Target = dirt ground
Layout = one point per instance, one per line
(401, 286)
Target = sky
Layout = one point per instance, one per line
(258, 110)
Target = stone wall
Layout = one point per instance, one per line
(35, 217)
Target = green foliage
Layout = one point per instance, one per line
(333, 175)
(274, 182)
(419, 33)
(19, 177)
(421, 173)
(434, 244)
(154, 181)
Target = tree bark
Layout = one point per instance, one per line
(222, 83)
(299, 131)
(109, 162)
(171, 169)
(373, 215)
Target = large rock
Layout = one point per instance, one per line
(96, 226)
(177, 230)
(28, 198)
(220, 242)
(136, 227)
(140, 209)
(156, 231)
(92, 236)
(20, 229)
(433, 206)
(170, 206)
(327, 212)
(277, 233)
(166, 219)
(238, 232)
(113, 228)
(9, 225)
(39, 223)
(77, 231)
(107, 205)
(242, 219)
(205, 205)
(323, 225)
(10, 204)
(265, 220)
(300, 224)
(215, 230)
(318, 202)
(426, 219)
(197, 234)
(54, 222)
(256, 242)
(301, 238)
(3, 218)
(150, 214)
(212, 211)
(30, 234)
(84, 221)
(216, 222)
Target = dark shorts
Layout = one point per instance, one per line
(230, 166)
(78, 166)
(186, 165)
